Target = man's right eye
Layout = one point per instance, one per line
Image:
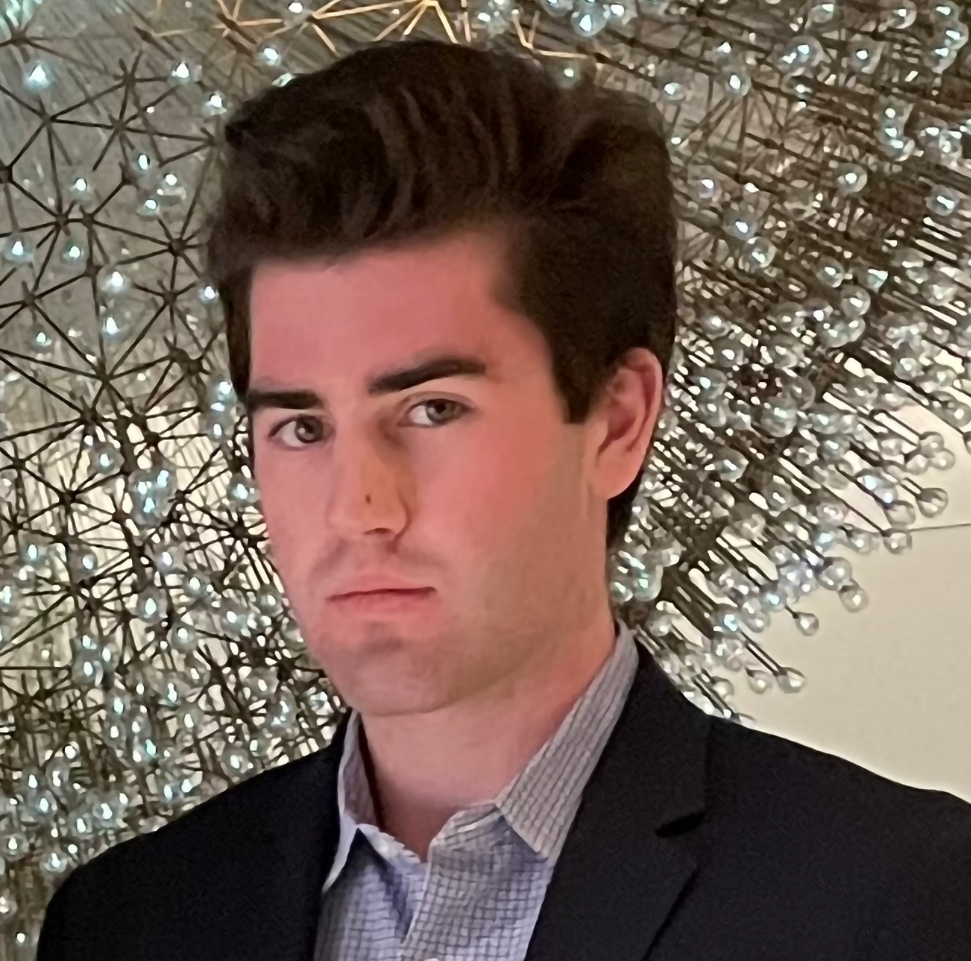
(298, 431)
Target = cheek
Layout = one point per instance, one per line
(288, 495)
(494, 484)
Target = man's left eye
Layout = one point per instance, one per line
(438, 411)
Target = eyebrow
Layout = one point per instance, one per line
(392, 382)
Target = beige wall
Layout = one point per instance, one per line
(890, 687)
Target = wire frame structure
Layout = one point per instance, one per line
(147, 655)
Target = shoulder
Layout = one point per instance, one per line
(194, 879)
(239, 811)
(772, 766)
(207, 844)
(815, 839)
(821, 803)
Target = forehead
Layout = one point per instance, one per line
(313, 320)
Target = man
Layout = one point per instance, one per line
(449, 288)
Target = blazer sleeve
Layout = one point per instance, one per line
(925, 912)
(58, 939)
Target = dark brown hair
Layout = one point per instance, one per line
(412, 140)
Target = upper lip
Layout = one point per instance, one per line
(364, 584)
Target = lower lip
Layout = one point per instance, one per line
(383, 602)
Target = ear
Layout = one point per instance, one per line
(624, 420)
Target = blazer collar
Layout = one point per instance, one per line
(616, 880)
(296, 837)
(624, 863)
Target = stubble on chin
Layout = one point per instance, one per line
(378, 670)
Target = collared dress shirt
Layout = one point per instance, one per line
(479, 893)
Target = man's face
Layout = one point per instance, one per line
(471, 486)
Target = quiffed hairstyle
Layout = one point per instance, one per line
(414, 140)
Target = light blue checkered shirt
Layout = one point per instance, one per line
(478, 895)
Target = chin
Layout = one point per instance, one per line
(396, 706)
(391, 695)
(380, 670)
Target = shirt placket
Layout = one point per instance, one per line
(459, 875)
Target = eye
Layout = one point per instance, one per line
(298, 432)
(439, 411)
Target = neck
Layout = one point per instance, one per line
(424, 768)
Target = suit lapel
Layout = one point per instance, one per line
(275, 908)
(620, 874)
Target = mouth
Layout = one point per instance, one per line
(387, 601)
(384, 590)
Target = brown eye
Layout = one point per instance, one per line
(299, 432)
(439, 411)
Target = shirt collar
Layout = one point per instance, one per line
(355, 804)
(540, 803)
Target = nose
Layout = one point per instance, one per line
(368, 490)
